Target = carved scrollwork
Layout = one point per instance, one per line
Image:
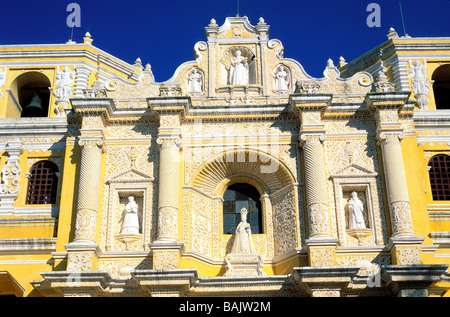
(401, 217)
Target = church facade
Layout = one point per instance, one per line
(241, 175)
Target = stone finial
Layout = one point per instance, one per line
(87, 39)
(342, 61)
(392, 33)
(138, 64)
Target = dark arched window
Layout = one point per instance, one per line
(42, 186)
(236, 197)
(441, 86)
(439, 169)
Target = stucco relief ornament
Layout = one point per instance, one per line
(381, 83)
(2, 80)
(64, 80)
(420, 85)
(9, 188)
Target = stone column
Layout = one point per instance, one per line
(168, 193)
(404, 244)
(396, 187)
(315, 186)
(88, 188)
(321, 245)
(83, 252)
(167, 250)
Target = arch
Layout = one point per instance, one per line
(43, 183)
(441, 86)
(439, 173)
(266, 172)
(24, 88)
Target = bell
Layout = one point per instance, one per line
(34, 109)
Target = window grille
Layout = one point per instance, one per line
(42, 185)
(440, 176)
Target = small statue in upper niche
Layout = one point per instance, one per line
(195, 81)
(131, 218)
(355, 212)
(281, 78)
(243, 243)
(239, 70)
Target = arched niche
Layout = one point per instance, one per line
(29, 88)
(203, 198)
(441, 86)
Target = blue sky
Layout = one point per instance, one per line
(163, 33)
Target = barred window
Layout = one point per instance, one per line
(236, 197)
(42, 185)
(439, 169)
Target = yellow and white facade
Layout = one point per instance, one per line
(370, 126)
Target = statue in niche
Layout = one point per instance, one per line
(195, 81)
(243, 243)
(281, 78)
(355, 212)
(239, 69)
(131, 218)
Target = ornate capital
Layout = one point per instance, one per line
(92, 143)
(169, 141)
(390, 137)
(307, 139)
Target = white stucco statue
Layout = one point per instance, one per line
(131, 219)
(243, 243)
(420, 84)
(195, 81)
(355, 212)
(239, 70)
(281, 78)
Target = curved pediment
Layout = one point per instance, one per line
(239, 65)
